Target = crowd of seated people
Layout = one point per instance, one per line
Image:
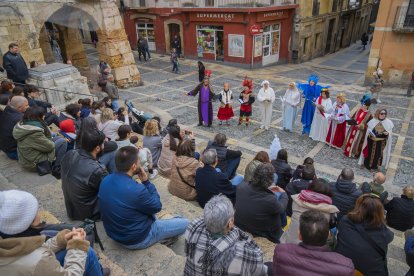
(107, 176)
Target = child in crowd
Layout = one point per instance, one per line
(225, 112)
(108, 102)
(86, 105)
(174, 60)
(68, 131)
(246, 99)
(144, 154)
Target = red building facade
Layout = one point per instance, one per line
(246, 36)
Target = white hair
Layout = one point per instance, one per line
(217, 213)
(209, 156)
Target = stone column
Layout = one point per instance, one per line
(114, 47)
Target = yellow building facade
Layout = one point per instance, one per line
(325, 26)
(393, 43)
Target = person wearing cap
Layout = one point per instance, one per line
(338, 117)
(25, 251)
(356, 133)
(291, 101)
(266, 97)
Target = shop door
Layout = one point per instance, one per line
(174, 29)
(219, 47)
(271, 42)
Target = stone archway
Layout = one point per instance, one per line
(25, 26)
(168, 37)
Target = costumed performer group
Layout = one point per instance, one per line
(366, 138)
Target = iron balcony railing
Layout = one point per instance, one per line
(207, 3)
(404, 20)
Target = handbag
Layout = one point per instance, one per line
(44, 167)
(183, 180)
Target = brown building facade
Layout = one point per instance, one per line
(393, 43)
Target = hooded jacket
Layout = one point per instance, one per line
(345, 194)
(33, 146)
(283, 171)
(400, 213)
(299, 206)
(177, 186)
(166, 157)
(34, 256)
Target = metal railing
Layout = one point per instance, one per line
(404, 20)
(208, 3)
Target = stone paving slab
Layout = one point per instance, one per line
(405, 173)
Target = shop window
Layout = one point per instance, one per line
(147, 30)
(206, 37)
(209, 3)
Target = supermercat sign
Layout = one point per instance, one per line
(216, 17)
(271, 15)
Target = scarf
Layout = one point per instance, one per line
(40, 124)
(314, 198)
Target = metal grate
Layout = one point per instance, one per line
(404, 19)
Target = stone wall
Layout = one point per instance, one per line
(22, 23)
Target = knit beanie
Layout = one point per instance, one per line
(67, 126)
(18, 209)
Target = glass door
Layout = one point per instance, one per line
(271, 42)
(147, 30)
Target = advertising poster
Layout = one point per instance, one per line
(236, 45)
(258, 45)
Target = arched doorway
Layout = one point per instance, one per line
(172, 28)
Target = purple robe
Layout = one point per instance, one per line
(205, 99)
(205, 106)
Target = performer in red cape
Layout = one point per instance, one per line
(225, 112)
(356, 133)
(338, 117)
(246, 99)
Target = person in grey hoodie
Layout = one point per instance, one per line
(152, 139)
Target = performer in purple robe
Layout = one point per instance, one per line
(205, 98)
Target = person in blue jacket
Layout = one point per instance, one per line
(311, 91)
(128, 207)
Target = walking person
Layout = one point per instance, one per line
(176, 43)
(290, 104)
(364, 40)
(410, 86)
(140, 48)
(174, 60)
(266, 97)
(146, 47)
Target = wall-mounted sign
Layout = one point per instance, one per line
(255, 29)
(216, 17)
(271, 15)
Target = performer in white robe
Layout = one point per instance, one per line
(376, 151)
(320, 123)
(266, 97)
(290, 103)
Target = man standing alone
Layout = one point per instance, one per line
(15, 65)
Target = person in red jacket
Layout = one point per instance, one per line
(246, 99)
(311, 257)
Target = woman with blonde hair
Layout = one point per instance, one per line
(261, 157)
(290, 103)
(109, 125)
(337, 128)
(152, 140)
(400, 210)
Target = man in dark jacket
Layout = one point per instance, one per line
(345, 192)
(209, 182)
(82, 175)
(258, 211)
(296, 186)
(311, 256)
(400, 210)
(229, 160)
(12, 114)
(15, 65)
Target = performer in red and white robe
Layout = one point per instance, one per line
(356, 133)
(246, 99)
(225, 112)
(337, 127)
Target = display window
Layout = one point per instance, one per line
(147, 30)
(206, 38)
(271, 43)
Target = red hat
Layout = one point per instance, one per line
(67, 126)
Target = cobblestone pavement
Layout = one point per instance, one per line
(162, 94)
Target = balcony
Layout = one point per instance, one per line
(404, 20)
(206, 3)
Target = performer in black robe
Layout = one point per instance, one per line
(205, 98)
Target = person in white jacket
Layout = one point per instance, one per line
(290, 103)
(266, 97)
